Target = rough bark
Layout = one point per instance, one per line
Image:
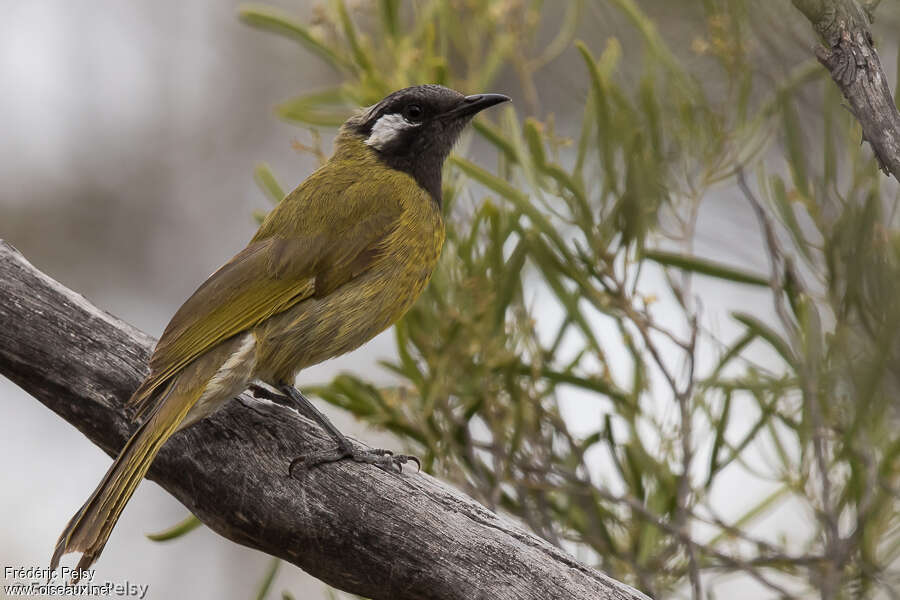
(377, 534)
(849, 55)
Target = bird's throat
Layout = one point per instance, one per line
(424, 168)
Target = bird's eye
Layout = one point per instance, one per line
(413, 112)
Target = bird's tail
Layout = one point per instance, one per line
(89, 529)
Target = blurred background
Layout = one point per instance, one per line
(131, 133)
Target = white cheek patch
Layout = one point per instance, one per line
(386, 130)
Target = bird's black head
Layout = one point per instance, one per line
(414, 129)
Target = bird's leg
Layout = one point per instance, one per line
(259, 391)
(383, 459)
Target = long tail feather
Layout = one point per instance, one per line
(89, 529)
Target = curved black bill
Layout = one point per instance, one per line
(476, 103)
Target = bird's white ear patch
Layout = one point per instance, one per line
(387, 128)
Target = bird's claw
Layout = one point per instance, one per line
(385, 460)
(391, 460)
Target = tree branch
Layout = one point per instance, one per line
(849, 55)
(381, 535)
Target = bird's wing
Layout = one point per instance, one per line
(274, 273)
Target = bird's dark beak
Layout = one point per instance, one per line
(471, 105)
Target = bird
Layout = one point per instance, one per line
(340, 259)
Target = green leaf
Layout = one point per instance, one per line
(796, 146)
(767, 411)
(390, 16)
(266, 181)
(359, 54)
(519, 199)
(599, 74)
(593, 384)
(705, 267)
(786, 211)
(751, 515)
(656, 44)
(564, 36)
(721, 425)
(263, 17)
(509, 281)
(495, 137)
(550, 268)
(189, 524)
(535, 142)
(732, 352)
(410, 367)
(767, 333)
(269, 577)
(324, 108)
(568, 181)
(489, 180)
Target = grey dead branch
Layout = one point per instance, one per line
(380, 535)
(849, 54)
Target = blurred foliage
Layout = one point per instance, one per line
(567, 278)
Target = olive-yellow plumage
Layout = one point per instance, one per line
(339, 260)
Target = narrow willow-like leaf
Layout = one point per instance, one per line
(360, 56)
(535, 142)
(266, 584)
(266, 181)
(564, 36)
(568, 182)
(719, 440)
(657, 45)
(176, 531)
(495, 137)
(410, 368)
(266, 18)
(584, 136)
(542, 258)
(767, 333)
(767, 411)
(705, 267)
(806, 72)
(600, 96)
(634, 474)
(517, 197)
(323, 108)
(390, 16)
(514, 131)
(510, 281)
(796, 147)
(762, 507)
(489, 180)
(594, 384)
(785, 209)
(732, 352)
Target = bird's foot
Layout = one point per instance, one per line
(383, 459)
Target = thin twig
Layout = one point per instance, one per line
(782, 267)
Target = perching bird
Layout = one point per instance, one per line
(339, 260)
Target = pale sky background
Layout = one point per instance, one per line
(130, 133)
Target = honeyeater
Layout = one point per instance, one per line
(339, 260)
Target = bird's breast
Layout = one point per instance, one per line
(411, 253)
(320, 328)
